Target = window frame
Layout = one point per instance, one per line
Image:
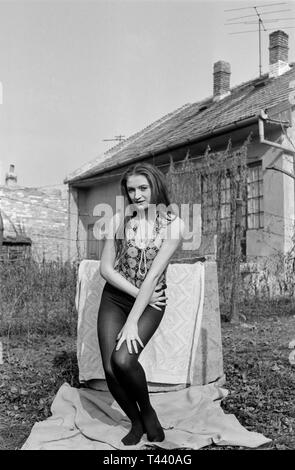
(259, 198)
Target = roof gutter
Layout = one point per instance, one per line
(263, 117)
(212, 133)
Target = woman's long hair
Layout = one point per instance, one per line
(159, 197)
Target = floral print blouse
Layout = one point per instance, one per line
(135, 262)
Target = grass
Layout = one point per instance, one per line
(37, 297)
(34, 368)
(259, 377)
(38, 333)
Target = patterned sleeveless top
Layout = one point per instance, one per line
(135, 262)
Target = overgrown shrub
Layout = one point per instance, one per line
(37, 297)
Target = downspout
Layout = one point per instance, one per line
(263, 118)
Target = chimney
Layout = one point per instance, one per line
(221, 80)
(11, 178)
(278, 53)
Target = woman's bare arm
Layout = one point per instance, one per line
(129, 332)
(167, 249)
(108, 257)
(107, 271)
(110, 274)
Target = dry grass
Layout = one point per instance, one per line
(32, 372)
(37, 297)
(38, 332)
(259, 377)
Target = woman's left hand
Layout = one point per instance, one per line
(129, 333)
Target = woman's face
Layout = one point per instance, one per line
(139, 191)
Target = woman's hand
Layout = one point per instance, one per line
(129, 333)
(158, 299)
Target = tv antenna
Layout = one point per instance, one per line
(117, 138)
(261, 22)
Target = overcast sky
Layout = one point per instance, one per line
(77, 72)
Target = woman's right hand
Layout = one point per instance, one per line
(158, 299)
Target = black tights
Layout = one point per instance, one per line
(124, 374)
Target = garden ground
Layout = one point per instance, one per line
(259, 377)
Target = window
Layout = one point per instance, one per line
(94, 246)
(255, 197)
(252, 212)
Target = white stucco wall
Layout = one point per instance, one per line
(82, 201)
(278, 200)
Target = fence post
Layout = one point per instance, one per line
(233, 314)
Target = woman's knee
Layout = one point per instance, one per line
(122, 360)
(108, 370)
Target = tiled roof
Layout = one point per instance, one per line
(16, 240)
(192, 121)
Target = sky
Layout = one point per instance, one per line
(75, 72)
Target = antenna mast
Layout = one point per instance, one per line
(261, 22)
(117, 138)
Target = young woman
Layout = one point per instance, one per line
(134, 263)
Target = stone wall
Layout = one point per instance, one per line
(40, 214)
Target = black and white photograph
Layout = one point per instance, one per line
(147, 228)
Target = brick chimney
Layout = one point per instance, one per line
(278, 53)
(221, 80)
(11, 178)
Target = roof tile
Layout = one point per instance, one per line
(192, 121)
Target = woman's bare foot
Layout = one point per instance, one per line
(152, 426)
(134, 435)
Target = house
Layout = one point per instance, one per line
(263, 106)
(34, 220)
